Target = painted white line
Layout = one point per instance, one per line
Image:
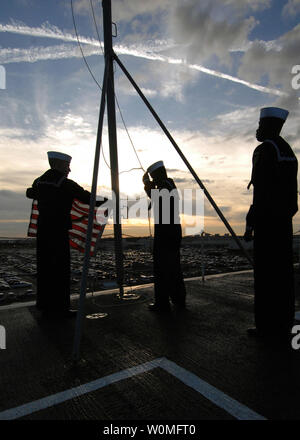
(211, 393)
(74, 296)
(127, 289)
(54, 399)
(17, 305)
(233, 407)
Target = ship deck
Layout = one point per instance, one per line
(138, 365)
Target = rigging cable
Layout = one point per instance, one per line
(117, 102)
(92, 75)
(80, 47)
(95, 80)
(94, 18)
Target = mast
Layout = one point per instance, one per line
(108, 92)
(87, 250)
(112, 134)
(108, 95)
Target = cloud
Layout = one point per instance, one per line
(274, 65)
(223, 165)
(92, 47)
(13, 204)
(291, 9)
(125, 10)
(23, 161)
(34, 54)
(215, 28)
(179, 61)
(46, 30)
(203, 32)
(245, 5)
(237, 122)
(15, 213)
(63, 52)
(142, 78)
(221, 155)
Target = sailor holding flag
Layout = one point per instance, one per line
(54, 193)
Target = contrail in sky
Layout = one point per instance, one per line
(45, 31)
(34, 54)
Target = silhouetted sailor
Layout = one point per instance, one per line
(54, 193)
(168, 280)
(274, 178)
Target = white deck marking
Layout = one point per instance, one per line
(54, 399)
(233, 407)
(130, 289)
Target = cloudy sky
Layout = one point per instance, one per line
(207, 67)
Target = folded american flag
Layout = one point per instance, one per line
(79, 216)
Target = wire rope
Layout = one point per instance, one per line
(117, 102)
(80, 47)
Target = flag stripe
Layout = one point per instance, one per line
(79, 229)
(82, 235)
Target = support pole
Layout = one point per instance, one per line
(202, 257)
(169, 136)
(112, 133)
(87, 251)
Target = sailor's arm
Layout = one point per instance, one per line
(264, 174)
(249, 224)
(78, 192)
(31, 193)
(148, 184)
(250, 217)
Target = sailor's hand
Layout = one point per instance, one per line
(146, 178)
(31, 193)
(101, 202)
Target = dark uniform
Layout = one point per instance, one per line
(54, 193)
(168, 279)
(274, 177)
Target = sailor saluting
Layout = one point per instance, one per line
(54, 193)
(168, 280)
(274, 178)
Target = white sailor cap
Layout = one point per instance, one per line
(274, 112)
(60, 156)
(155, 166)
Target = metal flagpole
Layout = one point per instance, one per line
(80, 313)
(167, 133)
(112, 133)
